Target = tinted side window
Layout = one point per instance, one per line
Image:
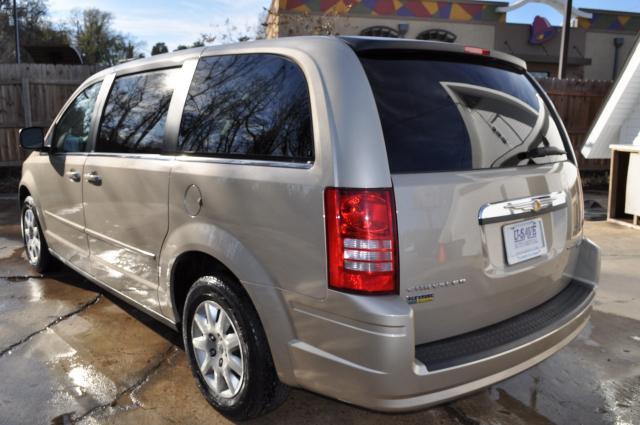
(136, 112)
(72, 132)
(250, 106)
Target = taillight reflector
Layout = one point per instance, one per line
(361, 240)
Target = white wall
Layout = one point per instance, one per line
(630, 130)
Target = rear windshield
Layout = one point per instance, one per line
(448, 115)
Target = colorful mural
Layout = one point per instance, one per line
(453, 11)
(610, 22)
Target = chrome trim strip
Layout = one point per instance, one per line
(125, 298)
(107, 239)
(65, 221)
(521, 208)
(157, 156)
(257, 162)
(204, 159)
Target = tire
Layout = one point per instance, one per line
(254, 387)
(35, 245)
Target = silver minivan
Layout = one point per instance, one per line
(391, 223)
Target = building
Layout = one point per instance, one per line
(600, 39)
(618, 122)
(616, 135)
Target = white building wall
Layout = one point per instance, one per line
(630, 130)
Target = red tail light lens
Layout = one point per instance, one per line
(361, 240)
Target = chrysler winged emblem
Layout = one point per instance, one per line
(537, 205)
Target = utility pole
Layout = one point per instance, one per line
(16, 26)
(564, 46)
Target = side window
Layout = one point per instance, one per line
(136, 113)
(71, 134)
(249, 106)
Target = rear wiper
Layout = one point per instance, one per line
(540, 152)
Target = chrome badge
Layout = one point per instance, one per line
(420, 299)
(436, 285)
(537, 205)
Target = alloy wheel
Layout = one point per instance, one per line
(31, 233)
(217, 349)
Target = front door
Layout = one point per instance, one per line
(60, 179)
(126, 186)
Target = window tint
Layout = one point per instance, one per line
(441, 115)
(252, 106)
(72, 132)
(136, 112)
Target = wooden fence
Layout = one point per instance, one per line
(32, 95)
(578, 103)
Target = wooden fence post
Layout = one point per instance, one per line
(26, 102)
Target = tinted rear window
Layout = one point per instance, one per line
(448, 115)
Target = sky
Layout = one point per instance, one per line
(176, 22)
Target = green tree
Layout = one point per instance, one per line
(93, 34)
(159, 48)
(35, 28)
(180, 47)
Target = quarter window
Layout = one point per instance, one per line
(72, 132)
(250, 106)
(136, 113)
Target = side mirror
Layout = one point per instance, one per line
(32, 138)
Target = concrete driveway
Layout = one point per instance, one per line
(71, 354)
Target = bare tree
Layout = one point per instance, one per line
(329, 23)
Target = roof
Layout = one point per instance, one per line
(623, 99)
(302, 42)
(361, 44)
(56, 54)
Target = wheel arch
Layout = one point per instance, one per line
(28, 187)
(23, 192)
(212, 249)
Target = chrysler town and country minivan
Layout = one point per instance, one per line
(391, 223)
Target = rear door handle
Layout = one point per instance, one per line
(93, 178)
(73, 175)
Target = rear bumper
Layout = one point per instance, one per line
(378, 366)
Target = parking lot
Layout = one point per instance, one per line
(71, 354)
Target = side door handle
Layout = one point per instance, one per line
(73, 175)
(93, 178)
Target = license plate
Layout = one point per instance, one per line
(524, 241)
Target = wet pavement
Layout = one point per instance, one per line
(71, 354)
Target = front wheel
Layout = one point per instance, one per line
(35, 245)
(228, 351)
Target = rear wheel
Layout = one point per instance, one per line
(228, 351)
(34, 243)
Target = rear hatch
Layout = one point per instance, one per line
(487, 201)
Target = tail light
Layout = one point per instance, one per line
(361, 240)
